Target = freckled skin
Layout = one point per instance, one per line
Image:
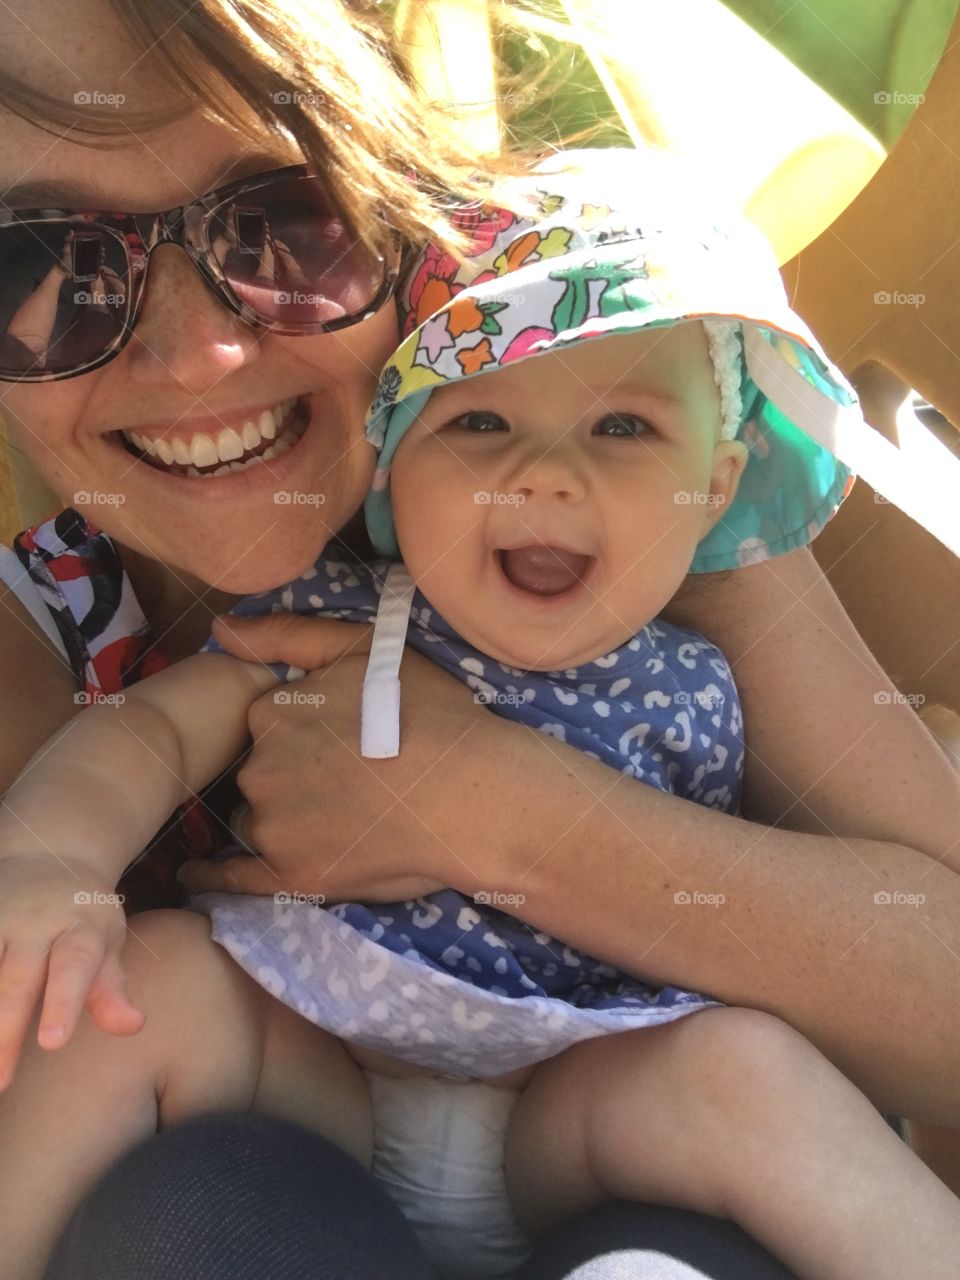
(189, 355)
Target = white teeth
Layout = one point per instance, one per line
(230, 445)
(181, 452)
(267, 425)
(203, 452)
(280, 411)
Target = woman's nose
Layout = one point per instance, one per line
(185, 334)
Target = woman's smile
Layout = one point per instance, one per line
(247, 452)
(195, 447)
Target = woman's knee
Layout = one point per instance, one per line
(238, 1197)
(621, 1241)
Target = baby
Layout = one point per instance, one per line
(595, 403)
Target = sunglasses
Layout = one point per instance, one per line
(273, 248)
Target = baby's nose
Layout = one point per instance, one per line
(553, 472)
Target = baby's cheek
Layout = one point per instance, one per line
(421, 533)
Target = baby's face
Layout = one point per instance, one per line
(551, 509)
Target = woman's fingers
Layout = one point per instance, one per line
(108, 1002)
(289, 637)
(74, 962)
(243, 874)
(22, 972)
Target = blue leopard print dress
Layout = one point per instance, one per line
(458, 984)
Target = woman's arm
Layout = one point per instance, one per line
(853, 937)
(855, 942)
(483, 804)
(832, 748)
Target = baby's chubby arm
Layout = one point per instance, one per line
(80, 810)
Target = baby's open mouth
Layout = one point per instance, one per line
(544, 570)
(233, 448)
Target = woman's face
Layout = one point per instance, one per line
(192, 368)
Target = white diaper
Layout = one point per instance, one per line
(438, 1151)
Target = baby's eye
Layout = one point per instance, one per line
(481, 420)
(621, 425)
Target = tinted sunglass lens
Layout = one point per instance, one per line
(65, 296)
(288, 256)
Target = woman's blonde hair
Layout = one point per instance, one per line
(323, 74)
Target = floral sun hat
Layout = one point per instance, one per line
(616, 243)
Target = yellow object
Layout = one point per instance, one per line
(706, 86)
(692, 77)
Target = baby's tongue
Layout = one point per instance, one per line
(544, 570)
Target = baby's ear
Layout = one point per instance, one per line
(729, 460)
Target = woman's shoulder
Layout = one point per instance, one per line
(38, 684)
(73, 582)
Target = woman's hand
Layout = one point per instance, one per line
(325, 820)
(61, 932)
(606, 863)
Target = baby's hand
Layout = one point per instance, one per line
(61, 931)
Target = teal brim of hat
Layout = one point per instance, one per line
(574, 272)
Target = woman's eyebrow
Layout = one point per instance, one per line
(54, 193)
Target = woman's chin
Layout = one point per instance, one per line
(258, 564)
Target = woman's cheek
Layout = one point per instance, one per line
(48, 441)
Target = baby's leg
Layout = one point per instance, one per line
(213, 1041)
(731, 1112)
